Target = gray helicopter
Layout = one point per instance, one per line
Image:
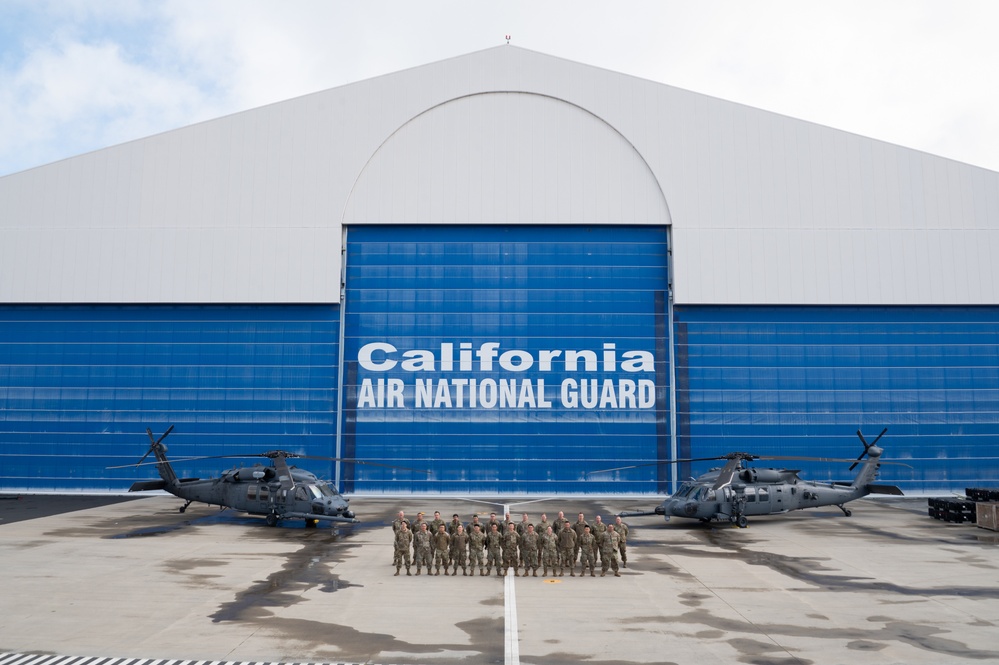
(734, 492)
(277, 491)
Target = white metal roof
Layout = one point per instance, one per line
(764, 209)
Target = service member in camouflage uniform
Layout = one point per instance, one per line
(423, 546)
(560, 522)
(598, 530)
(494, 548)
(566, 551)
(529, 550)
(510, 552)
(587, 554)
(549, 552)
(436, 523)
(459, 551)
(471, 525)
(452, 526)
(521, 530)
(442, 550)
(403, 540)
(622, 531)
(542, 526)
(609, 550)
(417, 523)
(578, 527)
(395, 529)
(476, 548)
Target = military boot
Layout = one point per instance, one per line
(617, 574)
(535, 572)
(407, 571)
(603, 573)
(397, 569)
(417, 570)
(592, 574)
(481, 574)
(489, 570)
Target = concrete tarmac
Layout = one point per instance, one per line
(138, 579)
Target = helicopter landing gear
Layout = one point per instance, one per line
(184, 507)
(846, 511)
(741, 521)
(271, 519)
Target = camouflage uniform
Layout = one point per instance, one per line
(578, 527)
(395, 529)
(510, 554)
(476, 549)
(529, 551)
(521, 530)
(442, 549)
(452, 526)
(622, 531)
(609, 549)
(423, 547)
(435, 523)
(560, 523)
(566, 550)
(494, 544)
(598, 529)
(549, 552)
(587, 554)
(403, 539)
(541, 528)
(459, 551)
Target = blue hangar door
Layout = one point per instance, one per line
(505, 359)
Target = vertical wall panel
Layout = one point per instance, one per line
(420, 293)
(802, 380)
(79, 385)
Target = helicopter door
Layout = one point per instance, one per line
(764, 500)
(779, 499)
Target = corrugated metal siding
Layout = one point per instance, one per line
(802, 380)
(528, 289)
(80, 384)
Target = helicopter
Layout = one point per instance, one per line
(735, 492)
(277, 491)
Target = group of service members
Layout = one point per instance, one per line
(555, 546)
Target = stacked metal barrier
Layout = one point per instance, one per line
(980, 506)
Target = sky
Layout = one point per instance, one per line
(80, 75)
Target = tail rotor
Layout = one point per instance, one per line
(155, 444)
(867, 446)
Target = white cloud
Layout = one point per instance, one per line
(95, 74)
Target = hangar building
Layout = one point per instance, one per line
(510, 270)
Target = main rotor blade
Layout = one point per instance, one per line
(656, 463)
(725, 475)
(273, 454)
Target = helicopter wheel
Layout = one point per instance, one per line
(848, 512)
(271, 519)
(742, 522)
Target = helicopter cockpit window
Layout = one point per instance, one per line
(325, 489)
(709, 495)
(314, 491)
(300, 494)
